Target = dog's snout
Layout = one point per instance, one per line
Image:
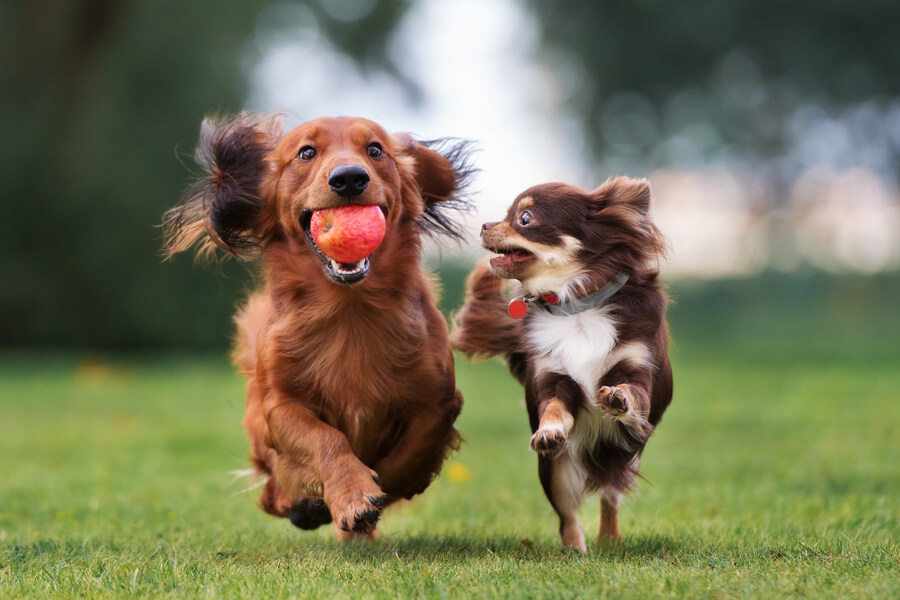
(488, 226)
(348, 180)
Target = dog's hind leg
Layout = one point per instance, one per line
(609, 504)
(273, 499)
(609, 514)
(309, 513)
(563, 484)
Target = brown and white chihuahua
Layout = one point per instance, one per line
(585, 334)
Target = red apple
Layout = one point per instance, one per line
(348, 233)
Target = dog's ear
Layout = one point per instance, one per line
(224, 207)
(626, 201)
(627, 192)
(442, 170)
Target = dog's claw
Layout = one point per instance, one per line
(365, 521)
(360, 511)
(548, 441)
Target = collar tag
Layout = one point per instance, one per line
(516, 308)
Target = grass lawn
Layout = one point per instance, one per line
(772, 475)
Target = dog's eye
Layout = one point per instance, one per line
(526, 218)
(307, 153)
(374, 150)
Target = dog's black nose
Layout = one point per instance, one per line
(348, 180)
(489, 226)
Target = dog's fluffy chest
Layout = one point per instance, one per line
(585, 347)
(580, 345)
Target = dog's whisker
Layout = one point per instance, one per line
(258, 484)
(241, 474)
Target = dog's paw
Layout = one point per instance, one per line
(613, 400)
(357, 508)
(549, 440)
(309, 513)
(360, 513)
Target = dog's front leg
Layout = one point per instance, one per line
(624, 393)
(303, 444)
(417, 457)
(553, 402)
(558, 400)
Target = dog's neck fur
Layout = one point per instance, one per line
(594, 299)
(573, 286)
(572, 302)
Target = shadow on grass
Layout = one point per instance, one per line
(458, 547)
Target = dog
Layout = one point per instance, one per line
(589, 340)
(351, 395)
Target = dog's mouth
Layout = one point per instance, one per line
(509, 256)
(340, 272)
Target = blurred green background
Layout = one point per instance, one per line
(101, 103)
(770, 132)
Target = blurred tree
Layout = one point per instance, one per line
(672, 83)
(97, 98)
(101, 101)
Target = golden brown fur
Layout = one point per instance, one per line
(351, 397)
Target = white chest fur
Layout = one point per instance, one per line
(585, 347)
(579, 345)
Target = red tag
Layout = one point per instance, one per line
(516, 308)
(550, 298)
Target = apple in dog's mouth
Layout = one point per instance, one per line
(344, 238)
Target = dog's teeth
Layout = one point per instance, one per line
(339, 268)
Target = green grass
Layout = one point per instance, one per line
(772, 475)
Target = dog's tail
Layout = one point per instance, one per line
(482, 328)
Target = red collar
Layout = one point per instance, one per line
(550, 298)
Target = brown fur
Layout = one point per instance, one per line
(563, 240)
(351, 397)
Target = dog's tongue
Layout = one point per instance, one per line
(349, 233)
(510, 258)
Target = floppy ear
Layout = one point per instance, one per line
(223, 208)
(443, 172)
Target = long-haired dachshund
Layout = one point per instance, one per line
(585, 334)
(351, 394)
